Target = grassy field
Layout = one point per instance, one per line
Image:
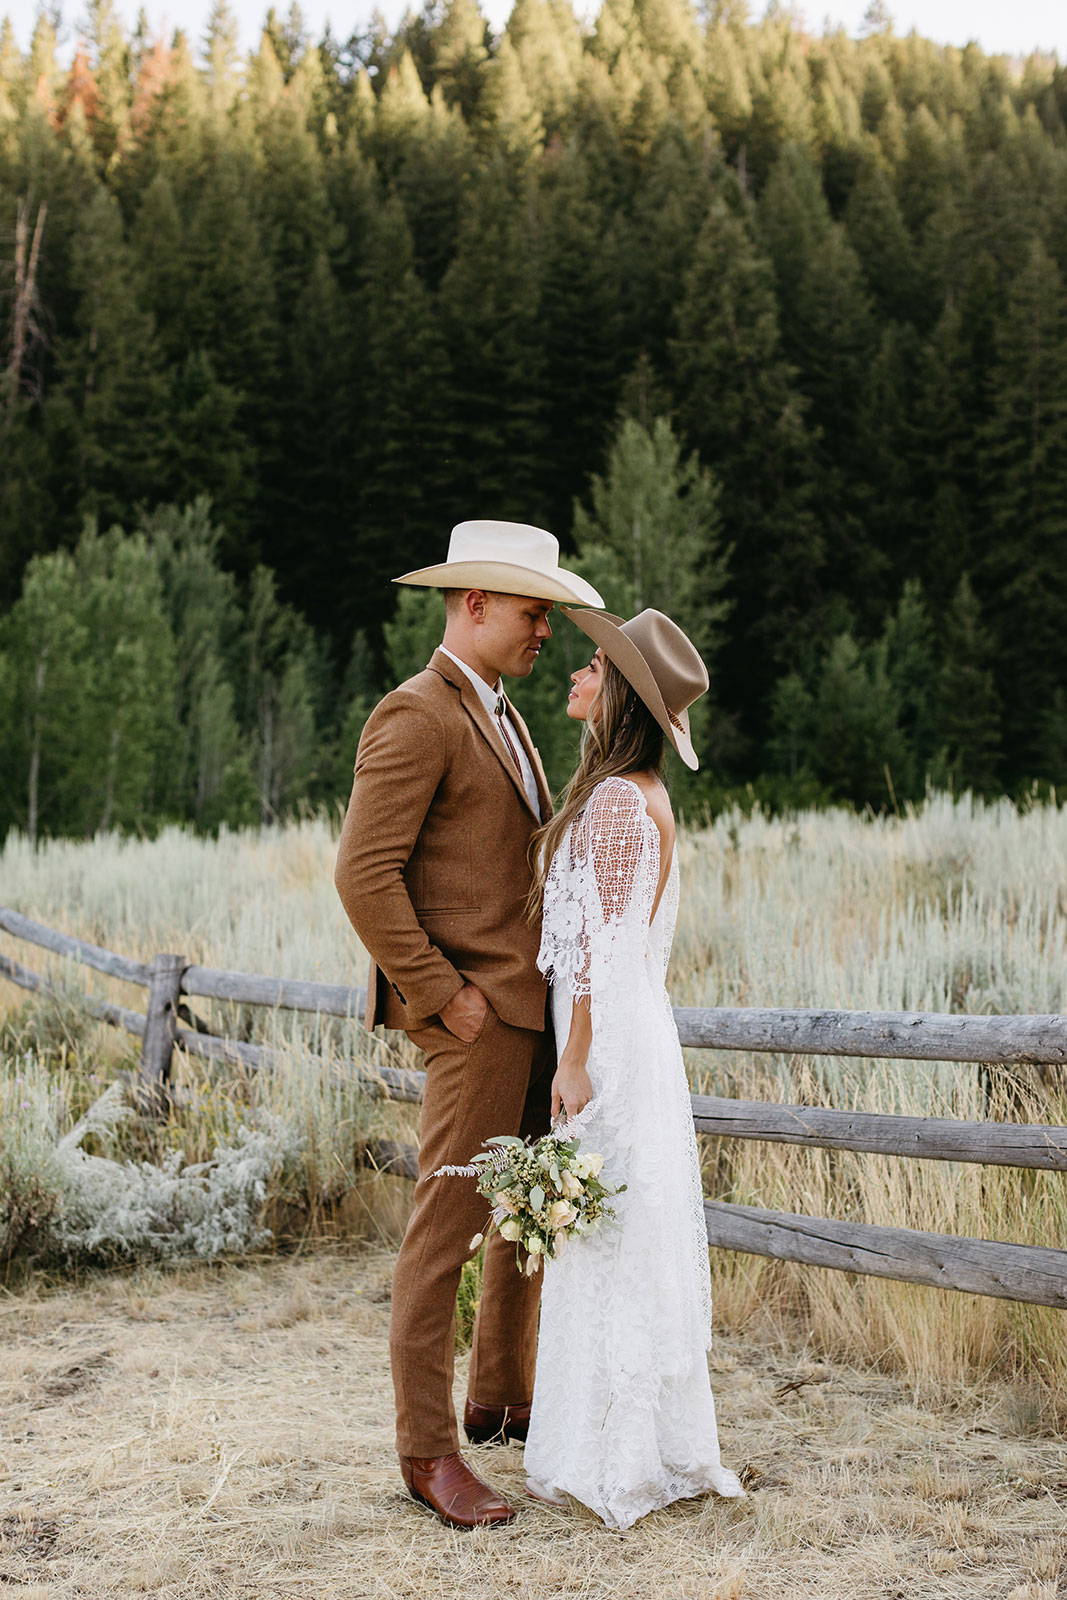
(959, 907)
(226, 1434)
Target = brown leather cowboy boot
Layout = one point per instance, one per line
(448, 1486)
(496, 1424)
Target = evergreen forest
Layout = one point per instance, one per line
(769, 327)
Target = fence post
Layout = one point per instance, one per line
(164, 990)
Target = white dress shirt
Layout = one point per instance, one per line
(489, 697)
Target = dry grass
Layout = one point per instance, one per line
(228, 1433)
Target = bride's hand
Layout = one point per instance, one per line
(571, 1088)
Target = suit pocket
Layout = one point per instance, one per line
(442, 878)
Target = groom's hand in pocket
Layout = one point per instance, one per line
(465, 1013)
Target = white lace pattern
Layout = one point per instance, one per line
(623, 1415)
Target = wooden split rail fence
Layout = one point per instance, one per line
(978, 1266)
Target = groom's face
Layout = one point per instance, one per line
(515, 627)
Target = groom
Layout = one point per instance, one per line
(433, 872)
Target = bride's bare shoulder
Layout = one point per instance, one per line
(657, 803)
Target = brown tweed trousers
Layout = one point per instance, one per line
(433, 871)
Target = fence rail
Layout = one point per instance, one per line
(1033, 1273)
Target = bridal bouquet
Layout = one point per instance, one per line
(542, 1193)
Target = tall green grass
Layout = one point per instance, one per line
(956, 906)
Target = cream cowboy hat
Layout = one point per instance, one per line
(507, 558)
(659, 663)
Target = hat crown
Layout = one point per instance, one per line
(516, 542)
(681, 676)
(505, 558)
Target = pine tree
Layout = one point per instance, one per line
(413, 633)
(659, 517)
(782, 113)
(794, 219)
(204, 449)
(208, 759)
(877, 233)
(507, 105)
(460, 53)
(29, 515)
(945, 419)
(132, 722)
(400, 452)
(738, 405)
(222, 269)
(969, 707)
(653, 537)
(579, 346)
(43, 74)
(110, 123)
(856, 742)
(315, 483)
(403, 112)
(672, 192)
(265, 76)
(548, 43)
(153, 75)
(44, 643)
(792, 726)
(177, 111)
(877, 19)
(490, 317)
(10, 72)
(729, 89)
(221, 58)
(1025, 464)
(107, 374)
(911, 663)
(1052, 741)
(279, 699)
(289, 38)
(360, 692)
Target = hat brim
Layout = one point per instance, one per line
(504, 577)
(606, 631)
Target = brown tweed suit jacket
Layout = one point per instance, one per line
(432, 867)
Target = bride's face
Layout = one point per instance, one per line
(586, 681)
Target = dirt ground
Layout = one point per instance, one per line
(228, 1432)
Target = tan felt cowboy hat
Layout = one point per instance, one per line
(507, 558)
(658, 662)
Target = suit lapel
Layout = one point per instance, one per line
(544, 794)
(484, 723)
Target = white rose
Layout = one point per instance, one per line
(593, 1164)
(570, 1185)
(560, 1212)
(511, 1229)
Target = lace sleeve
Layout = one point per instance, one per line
(600, 889)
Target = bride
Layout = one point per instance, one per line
(623, 1417)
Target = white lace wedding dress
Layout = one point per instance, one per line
(623, 1415)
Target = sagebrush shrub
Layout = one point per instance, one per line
(60, 1202)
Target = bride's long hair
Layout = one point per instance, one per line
(620, 736)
